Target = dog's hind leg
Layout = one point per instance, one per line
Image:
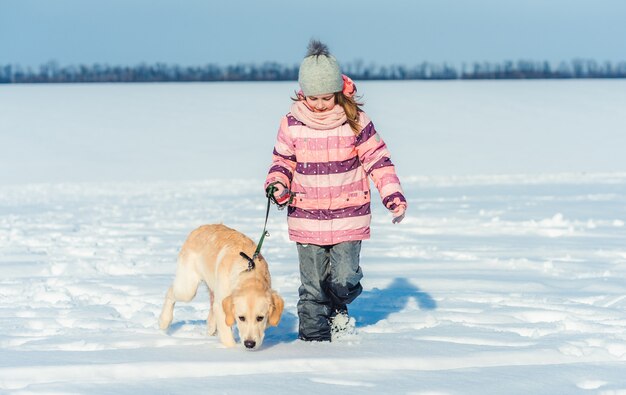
(183, 289)
(167, 314)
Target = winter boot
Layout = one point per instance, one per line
(341, 324)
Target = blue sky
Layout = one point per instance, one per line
(193, 32)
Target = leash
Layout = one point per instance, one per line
(270, 199)
(258, 247)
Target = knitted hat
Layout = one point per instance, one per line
(319, 71)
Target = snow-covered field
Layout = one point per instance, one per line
(506, 277)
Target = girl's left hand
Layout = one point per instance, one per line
(398, 214)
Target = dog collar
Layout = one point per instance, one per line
(251, 264)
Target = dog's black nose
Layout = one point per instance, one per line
(249, 343)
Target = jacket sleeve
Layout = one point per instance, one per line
(376, 160)
(283, 158)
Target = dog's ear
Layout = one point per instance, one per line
(276, 309)
(227, 306)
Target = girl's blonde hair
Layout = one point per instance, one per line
(350, 106)
(352, 109)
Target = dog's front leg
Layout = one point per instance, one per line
(224, 331)
(210, 320)
(225, 319)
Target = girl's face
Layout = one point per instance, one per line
(321, 103)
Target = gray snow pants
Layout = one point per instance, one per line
(330, 278)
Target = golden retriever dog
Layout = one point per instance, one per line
(239, 294)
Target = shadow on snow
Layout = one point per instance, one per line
(369, 308)
(376, 304)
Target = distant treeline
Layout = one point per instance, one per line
(51, 72)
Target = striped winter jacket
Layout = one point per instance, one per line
(327, 171)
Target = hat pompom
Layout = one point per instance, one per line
(317, 48)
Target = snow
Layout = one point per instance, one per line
(503, 278)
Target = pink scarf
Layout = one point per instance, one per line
(319, 120)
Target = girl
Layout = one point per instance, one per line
(325, 151)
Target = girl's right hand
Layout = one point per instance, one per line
(280, 193)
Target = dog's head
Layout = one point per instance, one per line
(253, 309)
